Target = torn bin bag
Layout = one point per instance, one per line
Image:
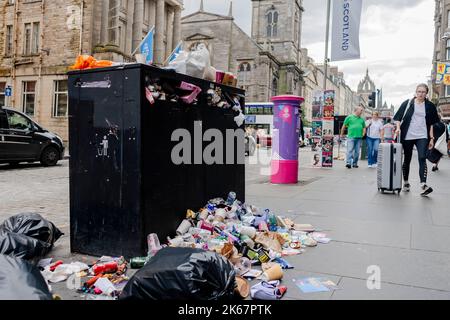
(27, 236)
(183, 274)
(20, 280)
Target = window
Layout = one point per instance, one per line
(447, 91)
(18, 122)
(31, 38)
(9, 40)
(3, 120)
(35, 43)
(244, 74)
(274, 87)
(447, 50)
(2, 93)
(448, 19)
(28, 97)
(297, 29)
(60, 98)
(27, 38)
(113, 21)
(272, 22)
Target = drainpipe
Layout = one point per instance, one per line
(81, 28)
(41, 58)
(16, 26)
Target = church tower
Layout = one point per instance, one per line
(276, 26)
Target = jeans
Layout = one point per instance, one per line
(422, 147)
(372, 150)
(353, 146)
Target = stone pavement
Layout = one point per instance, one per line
(406, 236)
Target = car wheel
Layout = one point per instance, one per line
(49, 157)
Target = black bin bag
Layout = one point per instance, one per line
(28, 236)
(182, 274)
(20, 280)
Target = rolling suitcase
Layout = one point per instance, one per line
(389, 170)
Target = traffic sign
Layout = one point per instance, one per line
(8, 91)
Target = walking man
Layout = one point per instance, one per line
(414, 120)
(356, 130)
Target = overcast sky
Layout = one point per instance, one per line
(397, 38)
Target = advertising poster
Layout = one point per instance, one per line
(327, 159)
(317, 128)
(328, 128)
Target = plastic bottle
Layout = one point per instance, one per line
(271, 220)
(231, 198)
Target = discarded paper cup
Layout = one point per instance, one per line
(184, 227)
(221, 214)
(140, 58)
(176, 242)
(203, 214)
(206, 226)
(274, 273)
(219, 76)
(242, 287)
(248, 231)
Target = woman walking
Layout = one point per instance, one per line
(414, 120)
(374, 127)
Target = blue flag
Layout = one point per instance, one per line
(175, 52)
(146, 46)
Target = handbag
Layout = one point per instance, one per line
(441, 144)
(434, 155)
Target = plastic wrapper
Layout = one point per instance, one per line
(20, 280)
(195, 63)
(28, 236)
(183, 274)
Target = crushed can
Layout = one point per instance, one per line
(138, 262)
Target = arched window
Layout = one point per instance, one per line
(272, 23)
(274, 87)
(297, 29)
(244, 74)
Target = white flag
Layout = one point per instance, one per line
(345, 35)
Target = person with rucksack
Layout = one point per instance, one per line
(437, 130)
(387, 133)
(414, 120)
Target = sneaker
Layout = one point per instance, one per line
(434, 169)
(355, 166)
(426, 190)
(349, 166)
(406, 187)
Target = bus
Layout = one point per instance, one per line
(259, 116)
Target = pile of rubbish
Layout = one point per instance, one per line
(246, 236)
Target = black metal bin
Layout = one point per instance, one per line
(123, 182)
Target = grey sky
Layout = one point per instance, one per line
(396, 40)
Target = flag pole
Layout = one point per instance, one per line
(327, 37)
(173, 51)
(142, 41)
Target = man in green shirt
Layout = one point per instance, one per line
(356, 130)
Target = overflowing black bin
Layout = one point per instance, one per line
(123, 182)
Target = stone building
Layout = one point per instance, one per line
(267, 62)
(440, 93)
(365, 88)
(40, 39)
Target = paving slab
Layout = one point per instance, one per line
(356, 289)
(402, 266)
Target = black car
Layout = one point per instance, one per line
(23, 140)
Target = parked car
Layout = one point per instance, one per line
(23, 140)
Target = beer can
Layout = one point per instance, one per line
(138, 262)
